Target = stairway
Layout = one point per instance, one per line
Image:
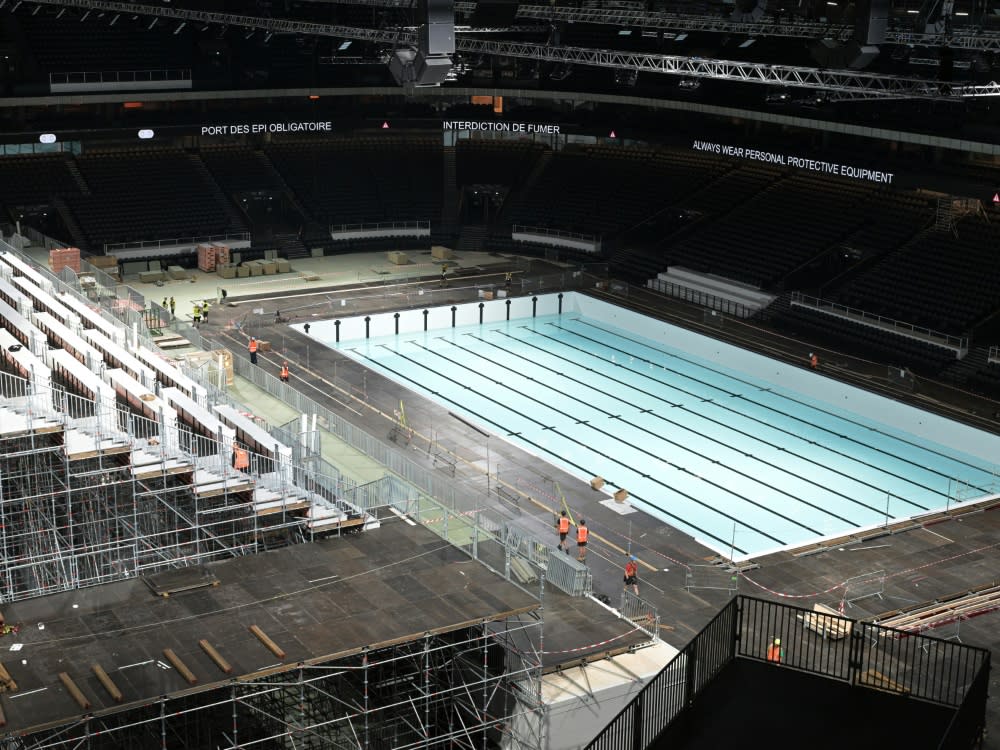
(962, 369)
(290, 246)
(472, 238)
(524, 188)
(69, 221)
(237, 220)
(450, 201)
(77, 176)
(293, 199)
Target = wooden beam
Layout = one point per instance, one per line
(7, 684)
(109, 685)
(3, 718)
(180, 666)
(273, 647)
(77, 694)
(215, 656)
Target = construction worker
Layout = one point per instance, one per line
(444, 268)
(508, 278)
(204, 310)
(164, 303)
(562, 525)
(241, 458)
(197, 314)
(582, 532)
(813, 361)
(775, 652)
(252, 347)
(632, 574)
(173, 307)
(284, 372)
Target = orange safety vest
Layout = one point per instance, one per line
(284, 371)
(581, 533)
(774, 653)
(563, 525)
(814, 361)
(242, 459)
(253, 345)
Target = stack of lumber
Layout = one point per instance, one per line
(959, 606)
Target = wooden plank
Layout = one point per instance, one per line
(215, 656)
(109, 685)
(273, 647)
(7, 684)
(77, 694)
(180, 666)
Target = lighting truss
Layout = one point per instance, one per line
(968, 37)
(868, 85)
(963, 38)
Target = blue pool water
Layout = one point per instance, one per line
(705, 448)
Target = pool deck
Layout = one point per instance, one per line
(920, 564)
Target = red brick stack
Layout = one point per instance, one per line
(222, 254)
(64, 257)
(207, 258)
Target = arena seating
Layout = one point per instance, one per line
(573, 194)
(237, 169)
(364, 180)
(495, 162)
(939, 281)
(33, 180)
(59, 46)
(864, 340)
(146, 195)
(767, 237)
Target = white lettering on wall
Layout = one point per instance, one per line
(501, 127)
(250, 128)
(798, 162)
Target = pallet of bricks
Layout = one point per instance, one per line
(207, 258)
(64, 257)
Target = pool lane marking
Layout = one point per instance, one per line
(543, 450)
(659, 437)
(588, 447)
(785, 397)
(738, 431)
(775, 426)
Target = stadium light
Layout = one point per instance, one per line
(35, 11)
(145, 134)
(82, 18)
(61, 12)
(47, 138)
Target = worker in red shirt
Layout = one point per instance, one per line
(813, 361)
(284, 372)
(582, 532)
(632, 574)
(562, 525)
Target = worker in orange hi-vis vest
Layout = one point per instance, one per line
(252, 346)
(241, 458)
(284, 372)
(562, 526)
(582, 532)
(775, 652)
(632, 574)
(813, 361)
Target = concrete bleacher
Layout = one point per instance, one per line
(712, 291)
(117, 356)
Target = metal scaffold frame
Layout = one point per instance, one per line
(457, 689)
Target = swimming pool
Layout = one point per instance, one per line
(705, 436)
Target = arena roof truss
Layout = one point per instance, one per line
(858, 84)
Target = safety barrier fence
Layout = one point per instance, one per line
(112, 247)
(864, 655)
(705, 299)
(958, 343)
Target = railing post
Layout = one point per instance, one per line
(638, 717)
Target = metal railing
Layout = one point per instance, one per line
(866, 656)
(993, 357)
(711, 301)
(120, 76)
(550, 232)
(958, 343)
(381, 228)
(111, 247)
